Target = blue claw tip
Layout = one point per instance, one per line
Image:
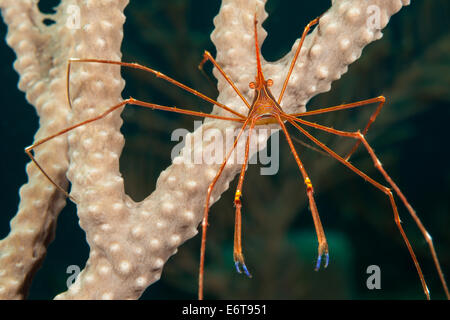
(244, 267)
(237, 267)
(319, 260)
(246, 271)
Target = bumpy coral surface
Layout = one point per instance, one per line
(130, 242)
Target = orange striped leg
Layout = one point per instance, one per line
(206, 211)
(381, 100)
(207, 56)
(323, 245)
(387, 191)
(130, 101)
(237, 249)
(294, 60)
(358, 135)
(156, 73)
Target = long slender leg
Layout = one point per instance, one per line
(207, 77)
(294, 60)
(369, 123)
(237, 249)
(130, 101)
(412, 212)
(323, 245)
(381, 100)
(156, 73)
(307, 145)
(206, 211)
(207, 56)
(377, 163)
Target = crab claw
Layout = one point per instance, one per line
(319, 260)
(236, 263)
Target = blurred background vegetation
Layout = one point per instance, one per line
(410, 65)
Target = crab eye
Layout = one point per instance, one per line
(269, 82)
(252, 85)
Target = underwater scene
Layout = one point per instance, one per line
(368, 258)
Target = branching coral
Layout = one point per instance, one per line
(130, 242)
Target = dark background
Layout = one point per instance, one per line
(410, 65)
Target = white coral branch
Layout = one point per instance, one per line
(41, 55)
